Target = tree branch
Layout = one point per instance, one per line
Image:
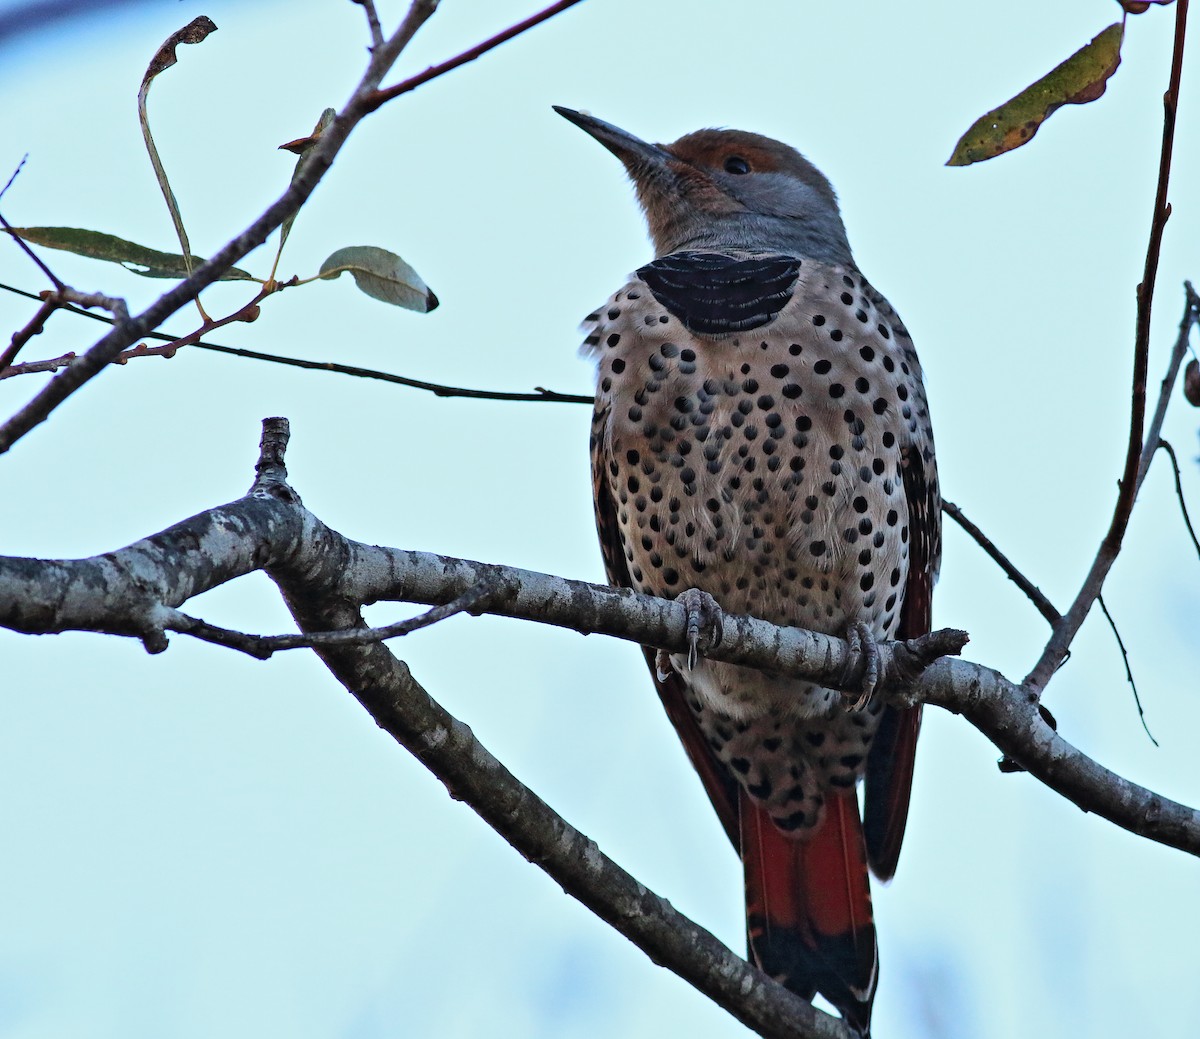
(262, 647)
(1065, 631)
(319, 159)
(24, 246)
(381, 97)
(33, 327)
(136, 592)
(316, 164)
(1136, 459)
(1044, 606)
(538, 394)
(323, 576)
(448, 748)
(1187, 519)
(373, 25)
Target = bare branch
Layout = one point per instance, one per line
(136, 591)
(376, 29)
(25, 247)
(381, 97)
(1190, 320)
(1164, 445)
(1009, 717)
(113, 304)
(1065, 631)
(22, 336)
(1044, 606)
(448, 748)
(323, 576)
(263, 647)
(537, 395)
(56, 299)
(1128, 670)
(13, 176)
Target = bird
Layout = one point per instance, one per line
(761, 444)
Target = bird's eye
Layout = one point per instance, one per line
(736, 164)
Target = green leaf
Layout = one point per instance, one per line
(301, 149)
(149, 263)
(1078, 80)
(381, 275)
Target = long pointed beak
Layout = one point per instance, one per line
(636, 154)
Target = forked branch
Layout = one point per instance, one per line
(1142, 443)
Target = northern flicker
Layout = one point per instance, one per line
(761, 435)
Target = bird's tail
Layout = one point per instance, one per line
(808, 906)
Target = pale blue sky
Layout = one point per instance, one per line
(198, 844)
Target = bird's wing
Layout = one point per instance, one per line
(889, 769)
(722, 790)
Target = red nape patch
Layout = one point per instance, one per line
(710, 148)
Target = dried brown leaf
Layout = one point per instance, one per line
(1140, 6)
(194, 32)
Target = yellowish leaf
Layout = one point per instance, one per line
(1078, 80)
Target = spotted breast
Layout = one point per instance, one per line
(761, 436)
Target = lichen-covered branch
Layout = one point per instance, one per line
(325, 577)
(137, 592)
(448, 748)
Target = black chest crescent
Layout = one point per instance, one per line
(715, 294)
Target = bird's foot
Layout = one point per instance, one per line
(704, 623)
(863, 667)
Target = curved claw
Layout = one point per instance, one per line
(662, 665)
(864, 657)
(704, 622)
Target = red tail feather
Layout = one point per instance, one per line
(808, 906)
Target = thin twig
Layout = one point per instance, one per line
(1164, 445)
(539, 394)
(1065, 631)
(368, 7)
(1128, 670)
(22, 336)
(486, 593)
(25, 247)
(381, 97)
(1044, 606)
(115, 305)
(13, 176)
(57, 299)
(1183, 345)
(50, 364)
(248, 312)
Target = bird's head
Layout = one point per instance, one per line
(721, 189)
